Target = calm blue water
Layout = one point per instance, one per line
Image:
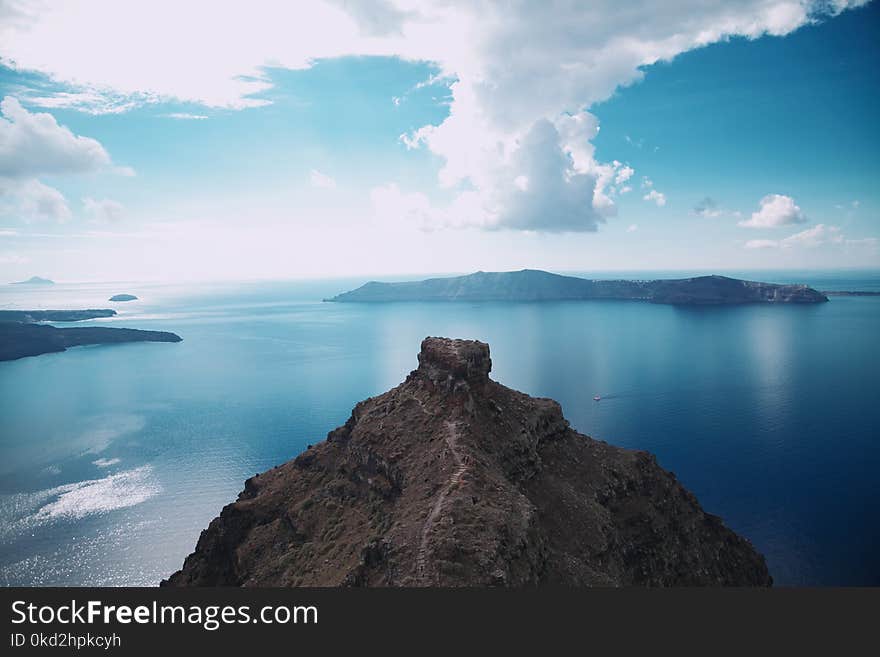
(112, 459)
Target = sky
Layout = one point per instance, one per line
(217, 141)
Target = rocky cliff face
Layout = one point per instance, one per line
(452, 479)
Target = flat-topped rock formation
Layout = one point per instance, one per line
(34, 280)
(452, 479)
(534, 285)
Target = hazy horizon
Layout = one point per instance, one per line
(762, 274)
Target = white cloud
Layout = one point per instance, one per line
(390, 204)
(624, 173)
(104, 211)
(33, 144)
(762, 244)
(558, 197)
(185, 116)
(30, 200)
(518, 70)
(811, 238)
(394, 207)
(707, 208)
(815, 236)
(658, 197)
(632, 228)
(321, 180)
(578, 46)
(775, 210)
(38, 201)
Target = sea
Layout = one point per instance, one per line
(114, 458)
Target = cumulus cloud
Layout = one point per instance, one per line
(624, 173)
(185, 116)
(707, 208)
(555, 196)
(393, 206)
(576, 45)
(389, 203)
(657, 197)
(522, 74)
(41, 202)
(32, 201)
(104, 211)
(815, 236)
(775, 210)
(33, 144)
(818, 235)
(321, 180)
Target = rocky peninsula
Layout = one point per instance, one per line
(452, 479)
(536, 285)
(22, 335)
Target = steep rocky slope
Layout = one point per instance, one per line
(452, 479)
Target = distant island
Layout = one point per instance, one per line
(536, 285)
(21, 335)
(34, 280)
(123, 297)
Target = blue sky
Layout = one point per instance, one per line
(705, 136)
(800, 111)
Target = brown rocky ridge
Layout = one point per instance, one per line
(452, 479)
